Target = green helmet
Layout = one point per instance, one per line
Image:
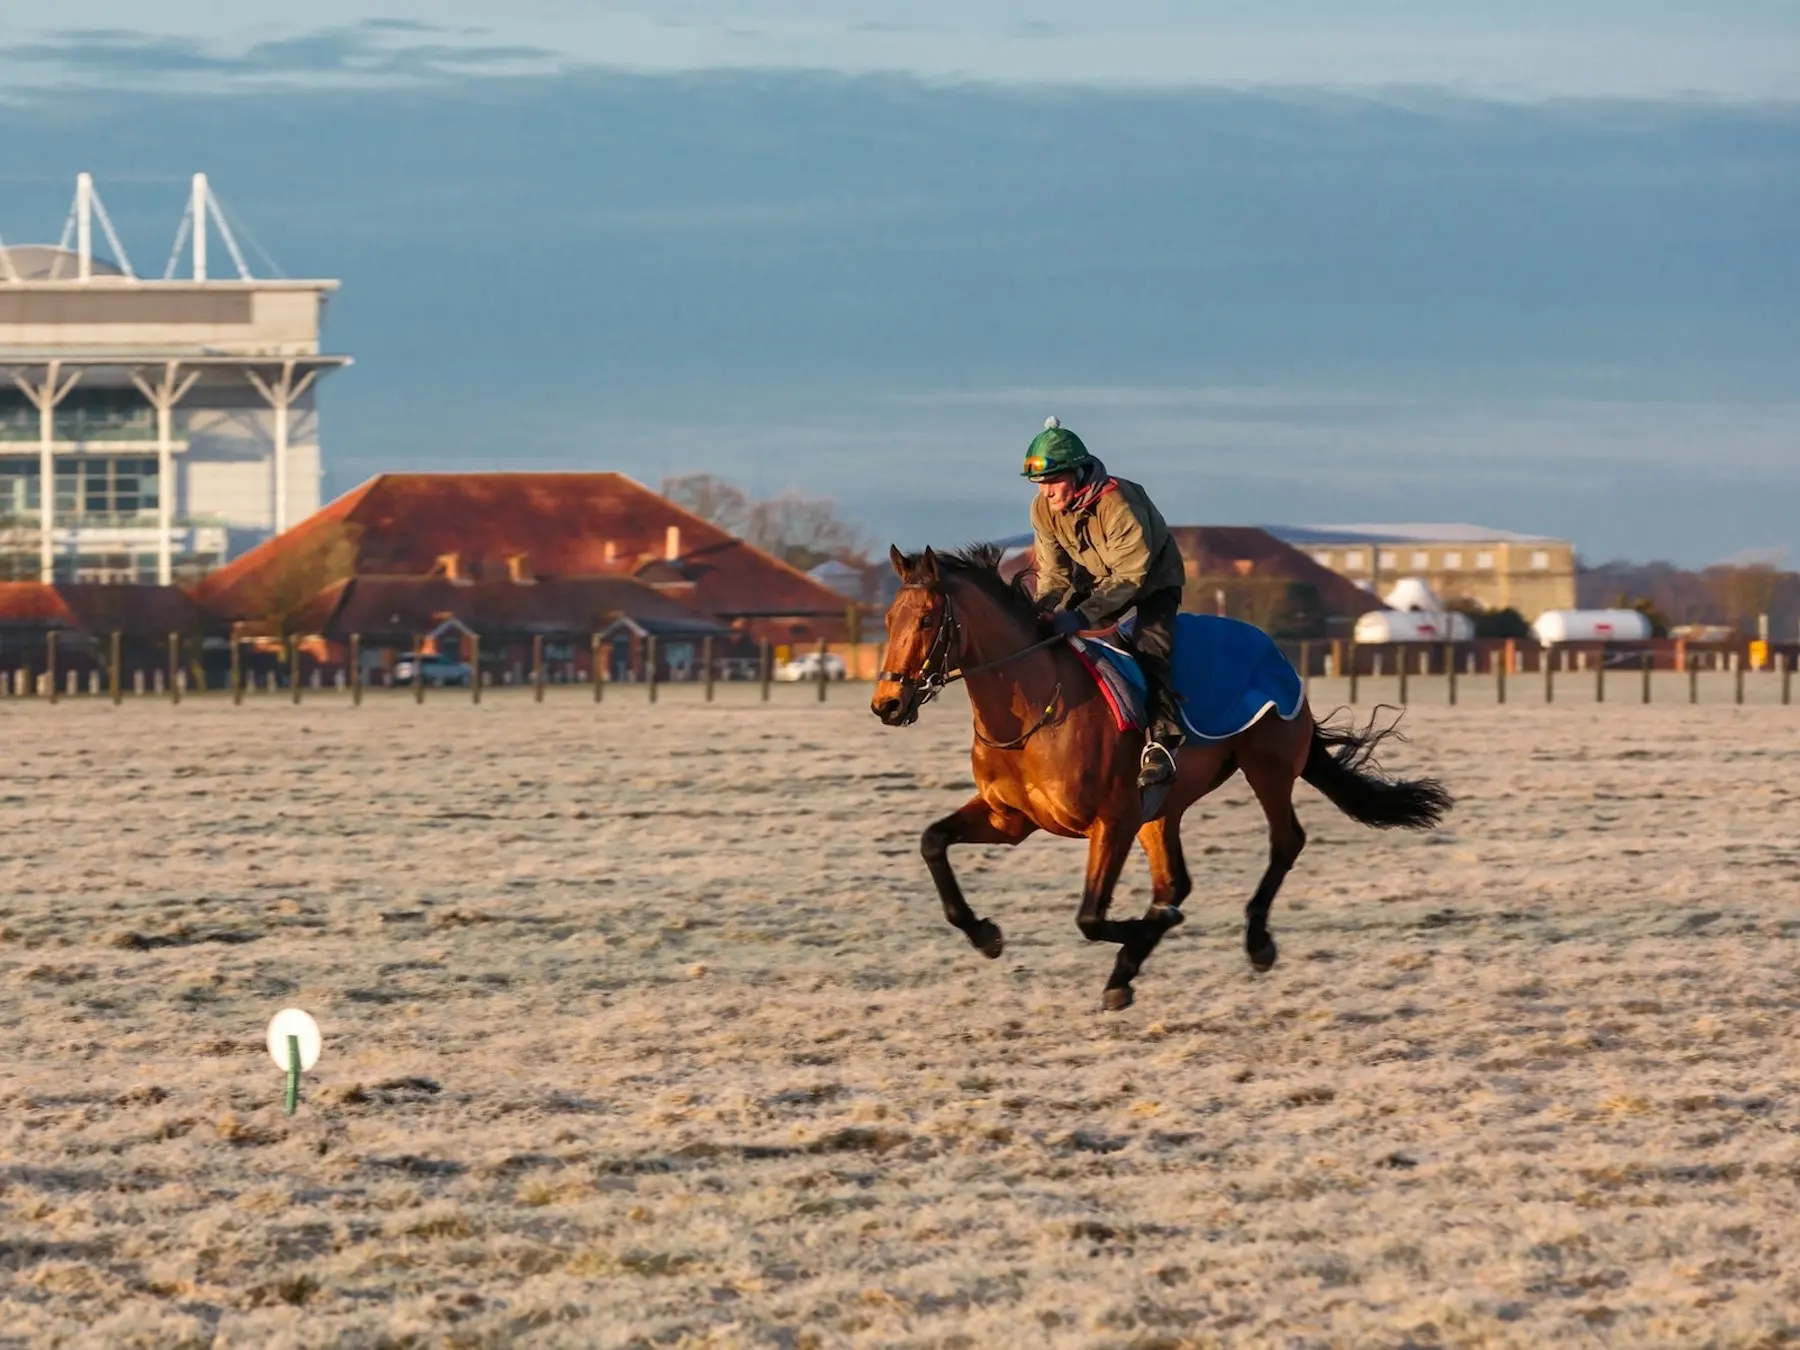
(1052, 451)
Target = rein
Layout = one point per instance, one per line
(933, 677)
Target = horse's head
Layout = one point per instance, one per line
(920, 634)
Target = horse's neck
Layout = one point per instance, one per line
(991, 632)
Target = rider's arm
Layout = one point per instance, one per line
(1054, 579)
(1125, 545)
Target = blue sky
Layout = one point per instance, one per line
(1545, 277)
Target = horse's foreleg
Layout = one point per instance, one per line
(975, 822)
(1169, 886)
(1274, 787)
(1108, 847)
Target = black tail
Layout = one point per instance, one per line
(1354, 783)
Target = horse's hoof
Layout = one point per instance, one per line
(1116, 1000)
(1262, 959)
(1166, 916)
(989, 940)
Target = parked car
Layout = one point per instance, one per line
(432, 668)
(807, 667)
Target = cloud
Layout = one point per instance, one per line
(371, 51)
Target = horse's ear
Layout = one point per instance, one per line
(898, 558)
(928, 566)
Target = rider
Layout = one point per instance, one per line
(1102, 547)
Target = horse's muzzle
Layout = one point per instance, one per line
(897, 712)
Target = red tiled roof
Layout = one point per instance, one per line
(137, 611)
(1217, 550)
(565, 524)
(403, 606)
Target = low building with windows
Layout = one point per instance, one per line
(1494, 569)
(151, 429)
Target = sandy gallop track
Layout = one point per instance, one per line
(643, 1027)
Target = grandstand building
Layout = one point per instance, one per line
(150, 429)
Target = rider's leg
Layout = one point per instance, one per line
(1153, 640)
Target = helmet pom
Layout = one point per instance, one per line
(1051, 423)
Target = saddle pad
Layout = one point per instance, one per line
(1227, 672)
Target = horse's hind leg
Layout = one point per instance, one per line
(1273, 783)
(974, 822)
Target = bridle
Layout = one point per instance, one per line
(935, 673)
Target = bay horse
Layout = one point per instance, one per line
(1048, 755)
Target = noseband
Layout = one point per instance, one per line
(935, 672)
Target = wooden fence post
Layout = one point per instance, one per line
(594, 645)
(175, 667)
(1405, 666)
(822, 678)
(237, 666)
(1503, 659)
(1549, 674)
(1693, 674)
(706, 659)
(356, 673)
(50, 662)
(1739, 660)
(474, 668)
(1600, 676)
(650, 671)
(1450, 669)
(1351, 662)
(537, 668)
(1646, 661)
(768, 668)
(1787, 678)
(118, 671)
(418, 656)
(294, 681)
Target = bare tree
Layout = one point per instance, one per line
(802, 531)
(711, 498)
(19, 560)
(1744, 593)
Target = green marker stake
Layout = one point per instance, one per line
(294, 1045)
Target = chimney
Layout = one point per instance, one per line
(448, 566)
(672, 543)
(518, 567)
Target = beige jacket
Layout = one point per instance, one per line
(1119, 540)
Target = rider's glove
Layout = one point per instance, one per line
(1066, 624)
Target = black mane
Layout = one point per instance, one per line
(979, 564)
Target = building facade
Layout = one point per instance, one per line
(151, 429)
(1493, 569)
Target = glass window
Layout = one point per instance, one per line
(96, 491)
(1452, 562)
(1323, 559)
(1389, 558)
(1484, 562)
(1353, 560)
(1421, 559)
(134, 486)
(68, 486)
(18, 488)
(1540, 561)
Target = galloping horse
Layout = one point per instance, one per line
(1048, 755)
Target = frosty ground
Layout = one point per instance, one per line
(644, 1026)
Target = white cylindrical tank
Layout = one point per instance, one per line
(1395, 625)
(1591, 625)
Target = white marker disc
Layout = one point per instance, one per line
(293, 1022)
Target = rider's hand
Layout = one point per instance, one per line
(1066, 623)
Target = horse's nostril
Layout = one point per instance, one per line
(887, 707)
